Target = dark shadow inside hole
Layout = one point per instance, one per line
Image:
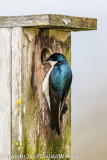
(44, 55)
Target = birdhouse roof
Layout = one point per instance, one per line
(50, 21)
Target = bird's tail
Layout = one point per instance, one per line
(55, 124)
(55, 121)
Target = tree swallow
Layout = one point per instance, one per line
(55, 87)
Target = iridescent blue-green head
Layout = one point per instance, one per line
(57, 58)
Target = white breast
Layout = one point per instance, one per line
(45, 87)
(52, 63)
(45, 84)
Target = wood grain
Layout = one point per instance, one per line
(16, 89)
(5, 92)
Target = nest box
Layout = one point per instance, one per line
(25, 41)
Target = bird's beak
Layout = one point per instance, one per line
(47, 59)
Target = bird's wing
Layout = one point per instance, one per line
(55, 102)
(58, 108)
(63, 106)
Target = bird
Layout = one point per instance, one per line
(56, 86)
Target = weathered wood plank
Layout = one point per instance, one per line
(69, 23)
(29, 100)
(16, 90)
(37, 134)
(5, 92)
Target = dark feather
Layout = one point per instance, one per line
(58, 108)
(55, 109)
(64, 109)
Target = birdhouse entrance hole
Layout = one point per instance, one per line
(44, 55)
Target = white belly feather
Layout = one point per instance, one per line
(45, 84)
(45, 87)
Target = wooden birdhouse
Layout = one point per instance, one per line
(25, 43)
